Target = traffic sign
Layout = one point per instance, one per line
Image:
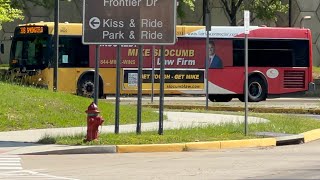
(129, 22)
(246, 22)
(94, 23)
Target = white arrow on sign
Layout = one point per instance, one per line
(94, 23)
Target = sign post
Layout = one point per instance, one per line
(208, 29)
(96, 76)
(246, 33)
(56, 46)
(117, 108)
(143, 23)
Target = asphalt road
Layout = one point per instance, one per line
(179, 100)
(282, 162)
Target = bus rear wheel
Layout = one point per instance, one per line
(86, 87)
(257, 90)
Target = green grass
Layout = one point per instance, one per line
(316, 72)
(4, 65)
(278, 123)
(24, 108)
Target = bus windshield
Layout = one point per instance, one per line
(29, 52)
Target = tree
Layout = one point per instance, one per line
(265, 10)
(182, 3)
(49, 4)
(8, 13)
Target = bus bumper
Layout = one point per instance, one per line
(312, 87)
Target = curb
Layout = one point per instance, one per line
(189, 146)
(251, 109)
(311, 135)
(77, 150)
(175, 147)
(282, 138)
(290, 139)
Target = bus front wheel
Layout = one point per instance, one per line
(86, 86)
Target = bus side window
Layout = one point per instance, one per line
(2, 48)
(301, 53)
(81, 53)
(73, 53)
(265, 53)
(83, 56)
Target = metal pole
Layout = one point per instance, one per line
(117, 116)
(152, 74)
(207, 61)
(96, 76)
(204, 11)
(246, 33)
(161, 98)
(290, 6)
(138, 130)
(246, 85)
(56, 45)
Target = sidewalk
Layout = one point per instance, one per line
(23, 142)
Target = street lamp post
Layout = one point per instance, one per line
(205, 9)
(290, 13)
(56, 45)
(303, 19)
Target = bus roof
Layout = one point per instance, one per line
(258, 32)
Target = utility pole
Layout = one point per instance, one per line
(207, 23)
(205, 10)
(290, 6)
(56, 45)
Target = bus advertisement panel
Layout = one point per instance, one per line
(176, 79)
(184, 63)
(186, 53)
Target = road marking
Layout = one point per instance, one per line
(10, 168)
(10, 162)
(28, 174)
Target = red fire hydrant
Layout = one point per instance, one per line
(94, 120)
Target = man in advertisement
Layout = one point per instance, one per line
(215, 60)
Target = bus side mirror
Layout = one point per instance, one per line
(2, 48)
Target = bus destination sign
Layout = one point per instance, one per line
(32, 30)
(129, 22)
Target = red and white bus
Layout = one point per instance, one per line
(280, 62)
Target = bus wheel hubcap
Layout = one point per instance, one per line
(255, 90)
(88, 88)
